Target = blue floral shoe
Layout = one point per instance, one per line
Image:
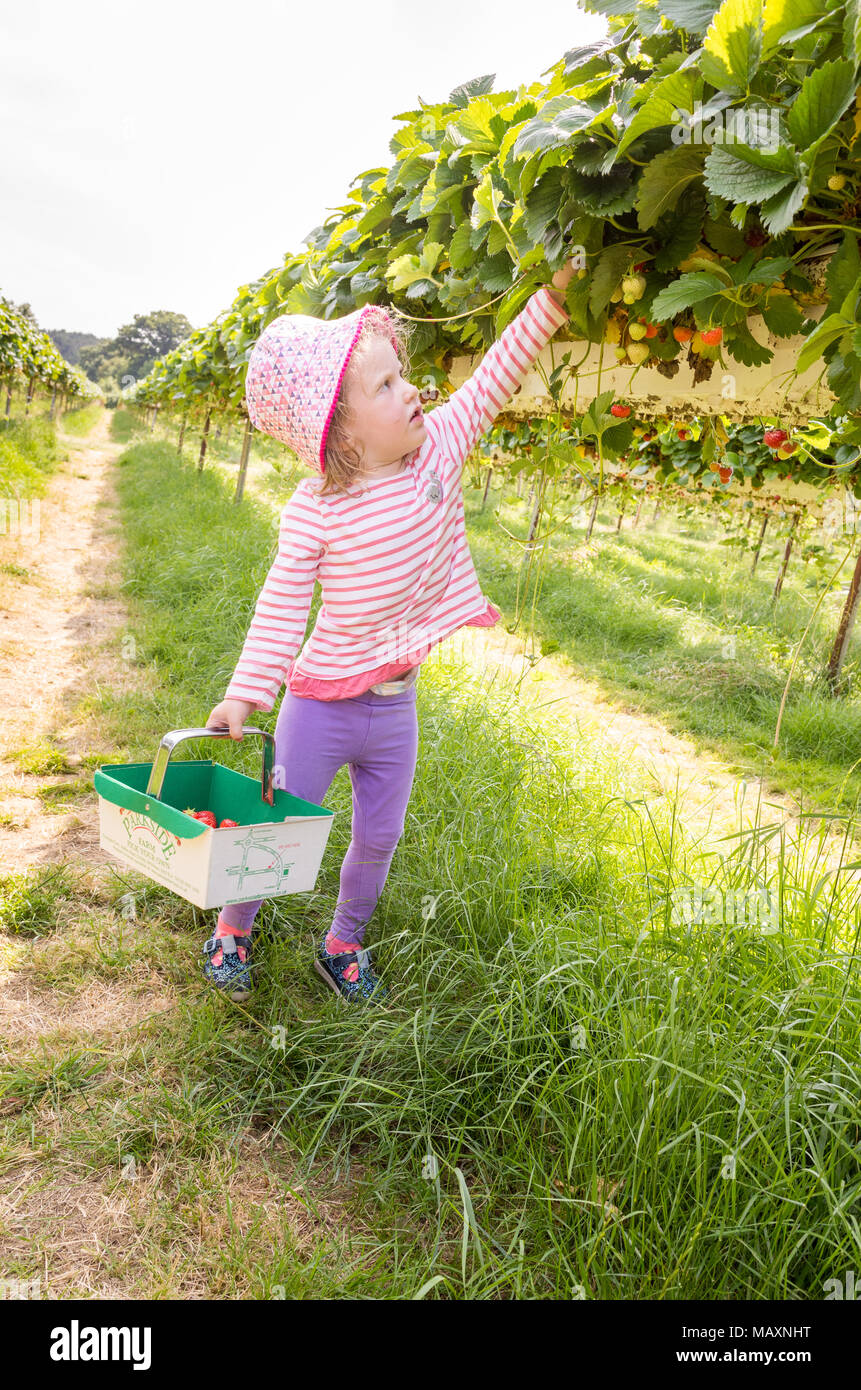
(228, 965)
(356, 984)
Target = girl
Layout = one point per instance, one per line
(382, 528)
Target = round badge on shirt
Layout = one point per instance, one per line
(433, 491)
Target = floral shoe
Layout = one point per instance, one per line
(350, 974)
(228, 965)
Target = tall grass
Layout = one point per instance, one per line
(28, 456)
(83, 419)
(579, 1088)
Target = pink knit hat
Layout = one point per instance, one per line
(295, 373)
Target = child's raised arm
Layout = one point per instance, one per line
(281, 612)
(471, 410)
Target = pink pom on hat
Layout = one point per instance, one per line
(295, 373)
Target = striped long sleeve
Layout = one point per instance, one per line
(283, 605)
(471, 410)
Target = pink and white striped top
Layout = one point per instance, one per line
(391, 554)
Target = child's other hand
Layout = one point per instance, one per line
(234, 713)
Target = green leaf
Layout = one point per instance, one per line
(477, 86)
(782, 315)
(557, 121)
(543, 203)
(827, 331)
(733, 45)
(777, 213)
(783, 18)
(673, 94)
(693, 15)
(495, 273)
(609, 269)
(683, 231)
(460, 251)
(683, 293)
(823, 97)
(737, 172)
(843, 269)
(664, 180)
(745, 348)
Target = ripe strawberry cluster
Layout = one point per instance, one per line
(621, 411)
(780, 443)
(208, 818)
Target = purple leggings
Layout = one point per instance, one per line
(377, 737)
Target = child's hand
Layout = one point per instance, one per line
(561, 280)
(234, 713)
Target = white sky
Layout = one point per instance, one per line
(158, 156)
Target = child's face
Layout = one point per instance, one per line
(389, 421)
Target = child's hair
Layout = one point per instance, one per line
(344, 457)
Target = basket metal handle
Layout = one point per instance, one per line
(170, 741)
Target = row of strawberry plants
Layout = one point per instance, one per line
(681, 236)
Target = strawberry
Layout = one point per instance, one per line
(774, 438)
(620, 411)
(725, 474)
(651, 330)
(208, 818)
(227, 822)
(682, 335)
(710, 336)
(683, 434)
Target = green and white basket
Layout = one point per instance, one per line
(276, 849)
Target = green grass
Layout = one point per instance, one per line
(28, 456)
(41, 758)
(124, 424)
(574, 1091)
(29, 901)
(82, 420)
(672, 622)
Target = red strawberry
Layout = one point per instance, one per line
(227, 822)
(710, 336)
(725, 474)
(683, 434)
(774, 438)
(208, 818)
(620, 411)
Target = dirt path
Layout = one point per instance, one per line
(83, 1231)
(57, 623)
